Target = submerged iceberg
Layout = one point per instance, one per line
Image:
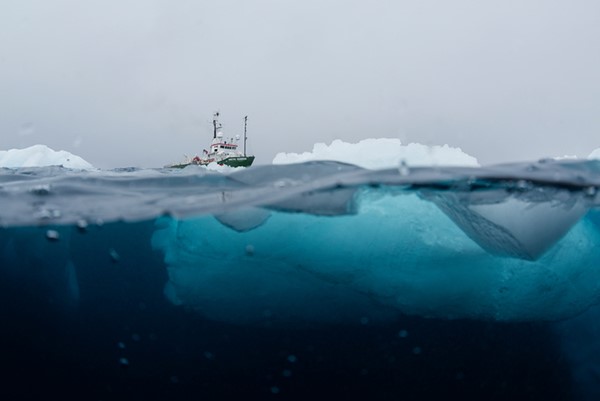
(398, 254)
(41, 156)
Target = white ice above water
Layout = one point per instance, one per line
(41, 156)
(371, 153)
(595, 154)
(381, 153)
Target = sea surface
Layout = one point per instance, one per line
(320, 280)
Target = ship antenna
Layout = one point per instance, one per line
(245, 124)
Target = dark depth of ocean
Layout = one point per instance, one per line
(313, 281)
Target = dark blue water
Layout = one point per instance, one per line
(314, 281)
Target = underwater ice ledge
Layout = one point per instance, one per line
(429, 253)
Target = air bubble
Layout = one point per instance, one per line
(417, 350)
(82, 225)
(249, 250)
(114, 256)
(52, 235)
(292, 358)
(123, 361)
(403, 334)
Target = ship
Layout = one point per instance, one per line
(223, 150)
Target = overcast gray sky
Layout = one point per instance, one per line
(135, 82)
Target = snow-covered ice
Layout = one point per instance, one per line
(41, 156)
(379, 153)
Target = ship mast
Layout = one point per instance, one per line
(215, 123)
(245, 124)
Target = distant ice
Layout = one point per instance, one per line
(381, 153)
(41, 156)
(595, 154)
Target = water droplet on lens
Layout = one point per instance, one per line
(26, 129)
(532, 167)
(52, 235)
(522, 185)
(403, 168)
(591, 191)
(41, 190)
(47, 214)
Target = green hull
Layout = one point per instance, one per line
(239, 161)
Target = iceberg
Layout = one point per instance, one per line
(512, 226)
(399, 254)
(41, 156)
(380, 153)
(595, 155)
